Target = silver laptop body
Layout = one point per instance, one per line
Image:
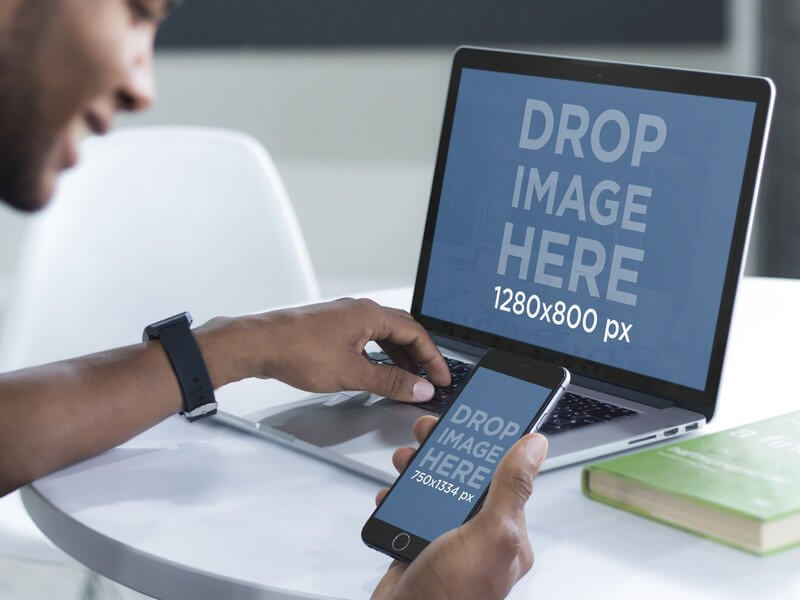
(661, 388)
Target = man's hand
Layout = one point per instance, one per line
(485, 557)
(320, 348)
(61, 413)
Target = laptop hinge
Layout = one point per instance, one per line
(621, 391)
(459, 345)
(578, 380)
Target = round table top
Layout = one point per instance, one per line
(203, 511)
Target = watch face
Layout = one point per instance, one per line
(152, 330)
(149, 333)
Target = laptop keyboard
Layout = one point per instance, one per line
(573, 410)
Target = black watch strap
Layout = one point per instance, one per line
(187, 361)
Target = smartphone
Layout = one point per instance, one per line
(444, 484)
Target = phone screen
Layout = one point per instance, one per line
(453, 468)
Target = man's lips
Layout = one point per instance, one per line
(71, 155)
(96, 123)
(81, 126)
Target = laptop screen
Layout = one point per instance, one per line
(590, 219)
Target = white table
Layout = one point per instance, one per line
(203, 512)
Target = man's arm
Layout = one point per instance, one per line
(58, 414)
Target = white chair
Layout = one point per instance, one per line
(154, 221)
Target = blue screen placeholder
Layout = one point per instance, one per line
(454, 467)
(591, 219)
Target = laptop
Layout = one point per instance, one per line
(590, 214)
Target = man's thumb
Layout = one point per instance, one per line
(512, 483)
(396, 383)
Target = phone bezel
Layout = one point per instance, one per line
(379, 534)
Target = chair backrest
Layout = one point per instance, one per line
(153, 222)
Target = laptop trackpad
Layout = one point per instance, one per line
(359, 422)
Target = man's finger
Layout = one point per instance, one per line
(399, 356)
(386, 586)
(512, 483)
(402, 456)
(412, 336)
(391, 381)
(398, 311)
(423, 426)
(381, 495)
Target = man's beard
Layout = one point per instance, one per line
(23, 143)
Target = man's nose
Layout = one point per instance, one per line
(138, 89)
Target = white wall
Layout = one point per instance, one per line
(354, 134)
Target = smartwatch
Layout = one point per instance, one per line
(184, 354)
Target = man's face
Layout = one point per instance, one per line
(66, 66)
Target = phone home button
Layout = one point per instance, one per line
(401, 541)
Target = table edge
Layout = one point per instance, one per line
(138, 570)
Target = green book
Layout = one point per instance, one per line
(740, 487)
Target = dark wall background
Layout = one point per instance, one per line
(215, 23)
(448, 23)
(779, 208)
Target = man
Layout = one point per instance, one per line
(71, 64)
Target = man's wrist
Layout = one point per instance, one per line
(234, 348)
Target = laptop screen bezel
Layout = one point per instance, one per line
(752, 89)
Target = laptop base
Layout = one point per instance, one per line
(360, 431)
